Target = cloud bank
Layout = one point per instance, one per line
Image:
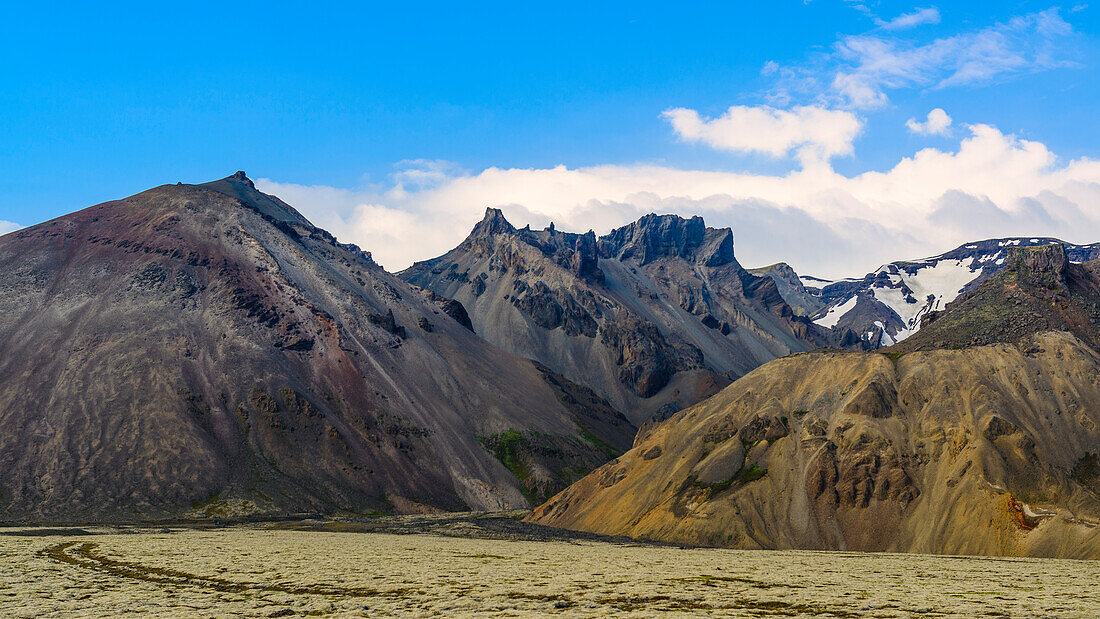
(822, 222)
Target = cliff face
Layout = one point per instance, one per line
(200, 350)
(979, 435)
(667, 236)
(653, 316)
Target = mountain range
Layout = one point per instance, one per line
(977, 435)
(654, 316)
(204, 351)
(887, 305)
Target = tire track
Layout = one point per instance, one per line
(84, 555)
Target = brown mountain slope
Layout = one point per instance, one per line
(989, 449)
(204, 350)
(653, 316)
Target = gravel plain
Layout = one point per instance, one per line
(263, 571)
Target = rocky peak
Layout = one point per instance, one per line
(575, 252)
(1044, 265)
(780, 269)
(241, 177)
(717, 247)
(493, 223)
(241, 187)
(659, 236)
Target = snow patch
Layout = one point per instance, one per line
(817, 283)
(837, 312)
(933, 287)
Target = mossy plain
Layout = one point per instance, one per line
(260, 572)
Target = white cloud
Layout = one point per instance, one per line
(916, 18)
(820, 221)
(860, 70)
(811, 131)
(8, 226)
(937, 123)
(421, 173)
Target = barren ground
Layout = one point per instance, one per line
(301, 569)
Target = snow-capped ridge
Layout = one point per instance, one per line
(886, 305)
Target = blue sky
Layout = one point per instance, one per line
(339, 105)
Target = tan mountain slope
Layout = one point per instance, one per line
(654, 316)
(989, 449)
(202, 350)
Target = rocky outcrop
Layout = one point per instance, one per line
(451, 308)
(203, 350)
(989, 450)
(584, 261)
(1039, 266)
(646, 360)
(574, 312)
(493, 223)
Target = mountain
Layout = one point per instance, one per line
(886, 306)
(654, 316)
(203, 350)
(802, 296)
(978, 435)
(1039, 289)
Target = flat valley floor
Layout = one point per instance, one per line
(261, 571)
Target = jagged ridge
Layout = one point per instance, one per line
(654, 315)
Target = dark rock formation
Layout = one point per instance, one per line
(668, 236)
(493, 223)
(803, 301)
